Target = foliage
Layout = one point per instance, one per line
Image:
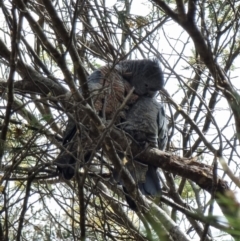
(47, 48)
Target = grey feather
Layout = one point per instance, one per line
(145, 75)
(146, 122)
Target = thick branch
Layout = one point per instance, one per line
(188, 168)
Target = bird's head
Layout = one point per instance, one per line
(145, 75)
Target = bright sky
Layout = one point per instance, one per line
(141, 8)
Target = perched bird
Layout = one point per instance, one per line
(146, 122)
(109, 86)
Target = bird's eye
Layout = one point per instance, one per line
(146, 85)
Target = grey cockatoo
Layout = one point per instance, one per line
(109, 85)
(146, 122)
